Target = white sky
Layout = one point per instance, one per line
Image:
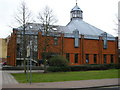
(99, 13)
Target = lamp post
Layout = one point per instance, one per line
(29, 63)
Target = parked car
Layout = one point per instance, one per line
(4, 63)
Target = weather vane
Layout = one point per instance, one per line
(76, 2)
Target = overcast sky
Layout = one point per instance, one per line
(99, 13)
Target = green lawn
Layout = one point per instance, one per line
(67, 76)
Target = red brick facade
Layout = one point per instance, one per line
(86, 46)
(11, 54)
(91, 47)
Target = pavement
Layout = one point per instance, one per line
(8, 81)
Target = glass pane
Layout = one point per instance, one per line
(87, 58)
(76, 58)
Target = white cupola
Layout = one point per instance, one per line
(76, 12)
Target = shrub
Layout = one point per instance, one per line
(58, 69)
(58, 64)
(85, 67)
(78, 68)
(58, 61)
(117, 66)
(94, 67)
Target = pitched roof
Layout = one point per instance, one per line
(83, 28)
(76, 8)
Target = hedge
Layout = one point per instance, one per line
(94, 67)
(58, 69)
(84, 67)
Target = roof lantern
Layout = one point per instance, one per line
(76, 12)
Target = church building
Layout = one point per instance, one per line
(78, 41)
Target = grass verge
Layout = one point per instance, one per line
(67, 76)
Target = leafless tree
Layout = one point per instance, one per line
(23, 16)
(116, 21)
(47, 19)
(119, 33)
(117, 29)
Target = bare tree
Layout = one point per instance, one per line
(116, 21)
(23, 16)
(117, 29)
(119, 33)
(47, 19)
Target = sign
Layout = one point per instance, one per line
(28, 51)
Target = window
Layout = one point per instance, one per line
(18, 36)
(112, 60)
(18, 51)
(95, 58)
(55, 41)
(104, 35)
(105, 44)
(68, 56)
(76, 58)
(76, 42)
(87, 58)
(76, 38)
(105, 58)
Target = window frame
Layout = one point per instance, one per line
(95, 58)
(112, 58)
(76, 57)
(56, 41)
(68, 56)
(87, 59)
(105, 58)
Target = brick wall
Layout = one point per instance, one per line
(86, 46)
(11, 54)
(66, 45)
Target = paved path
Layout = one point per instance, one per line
(7, 78)
(10, 82)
